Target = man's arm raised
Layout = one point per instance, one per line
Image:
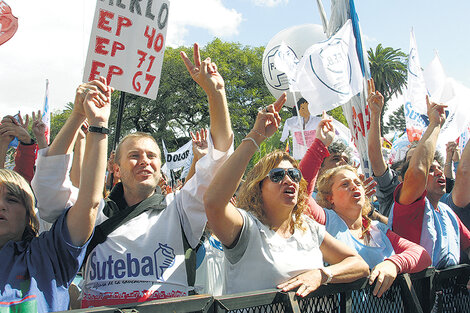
(414, 183)
(81, 217)
(375, 100)
(205, 74)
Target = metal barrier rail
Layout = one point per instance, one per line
(430, 290)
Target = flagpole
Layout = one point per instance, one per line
(117, 133)
(324, 19)
(300, 121)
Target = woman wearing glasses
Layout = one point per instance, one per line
(268, 242)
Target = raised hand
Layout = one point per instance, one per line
(110, 164)
(204, 73)
(39, 130)
(375, 100)
(436, 112)
(325, 130)
(268, 120)
(38, 127)
(452, 151)
(369, 185)
(97, 104)
(82, 91)
(15, 128)
(385, 273)
(7, 133)
(200, 144)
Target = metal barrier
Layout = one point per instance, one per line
(437, 291)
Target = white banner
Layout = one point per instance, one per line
(176, 160)
(434, 75)
(127, 44)
(329, 73)
(456, 97)
(415, 106)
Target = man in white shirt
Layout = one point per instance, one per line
(143, 258)
(308, 125)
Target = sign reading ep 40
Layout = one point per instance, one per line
(127, 44)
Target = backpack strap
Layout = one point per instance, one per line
(190, 259)
(103, 230)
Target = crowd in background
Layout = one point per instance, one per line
(285, 224)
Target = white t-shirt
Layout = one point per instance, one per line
(261, 259)
(210, 273)
(293, 127)
(143, 259)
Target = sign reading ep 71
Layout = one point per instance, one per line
(127, 44)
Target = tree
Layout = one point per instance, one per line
(58, 119)
(397, 120)
(389, 71)
(181, 105)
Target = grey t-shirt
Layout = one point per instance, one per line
(261, 259)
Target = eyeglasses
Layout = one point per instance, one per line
(277, 174)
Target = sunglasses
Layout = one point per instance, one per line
(277, 174)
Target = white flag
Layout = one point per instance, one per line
(286, 61)
(455, 96)
(434, 75)
(416, 86)
(415, 106)
(329, 73)
(176, 160)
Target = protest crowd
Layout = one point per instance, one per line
(80, 228)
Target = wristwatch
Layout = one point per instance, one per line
(328, 273)
(95, 129)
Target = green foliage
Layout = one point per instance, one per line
(267, 146)
(337, 114)
(181, 105)
(397, 120)
(58, 119)
(389, 70)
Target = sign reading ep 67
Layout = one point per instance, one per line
(127, 44)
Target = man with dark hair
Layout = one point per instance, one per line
(340, 154)
(301, 127)
(418, 214)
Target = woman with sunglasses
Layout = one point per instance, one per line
(342, 193)
(268, 242)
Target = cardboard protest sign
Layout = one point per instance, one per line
(127, 44)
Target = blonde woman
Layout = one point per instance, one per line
(342, 193)
(268, 242)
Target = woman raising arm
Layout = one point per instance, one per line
(269, 242)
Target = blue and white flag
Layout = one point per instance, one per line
(46, 114)
(329, 73)
(355, 110)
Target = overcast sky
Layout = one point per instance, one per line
(52, 38)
